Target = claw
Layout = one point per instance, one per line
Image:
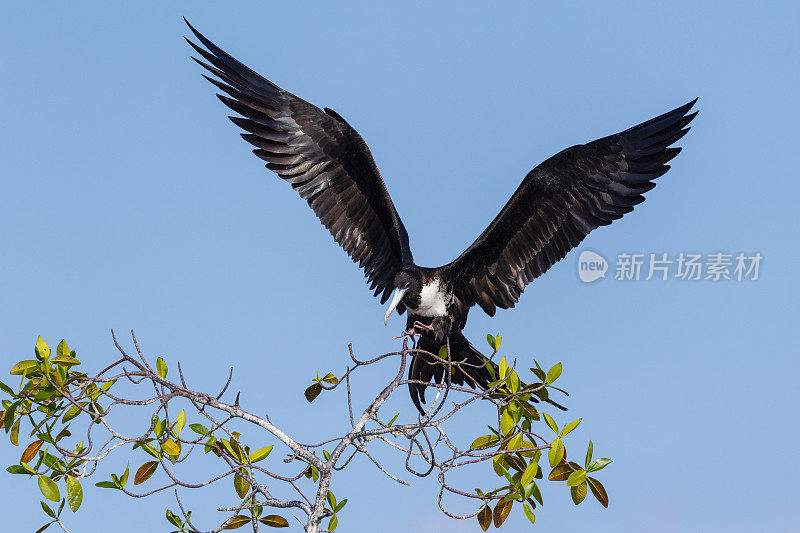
(420, 325)
(409, 333)
(413, 330)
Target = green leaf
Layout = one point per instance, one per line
(24, 366)
(391, 422)
(330, 378)
(489, 366)
(598, 464)
(501, 511)
(529, 513)
(238, 521)
(200, 429)
(490, 341)
(42, 350)
(504, 470)
(74, 493)
(62, 349)
(161, 368)
(503, 368)
(71, 413)
(578, 493)
(14, 435)
(171, 448)
(539, 373)
(233, 449)
(556, 453)
(241, 485)
(23, 468)
(331, 499)
(210, 446)
(340, 506)
(560, 473)
(553, 373)
(485, 517)
(576, 478)
(529, 474)
(152, 451)
(9, 414)
(173, 519)
(333, 523)
(443, 353)
(124, 479)
(274, 520)
(180, 422)
(260, 454)
(8, 390)
(65, 358)
(551, 423)
(589, 455)
(498, 463)
(536, 493)
(506, 422)
(484, 442)
(529, 411)
(598, 490)
(145, 472)
(515, 443)
(569, 427)
(106, 485)
(312, 392)
(46, 508)
(49, 487)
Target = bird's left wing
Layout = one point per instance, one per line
(558, 203)
(324, 159)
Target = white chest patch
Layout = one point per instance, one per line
(433, 301)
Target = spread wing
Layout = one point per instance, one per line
(558, 203)
(324, 159)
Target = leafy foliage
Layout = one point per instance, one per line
(516, 447)
(53, 396)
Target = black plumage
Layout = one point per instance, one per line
(557, 204)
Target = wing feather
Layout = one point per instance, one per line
(323, 158)
(560, 202)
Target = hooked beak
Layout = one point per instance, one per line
(396, 297)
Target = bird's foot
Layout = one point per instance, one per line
(420, 325)
(409, 333)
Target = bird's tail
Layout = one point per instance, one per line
(472, 369)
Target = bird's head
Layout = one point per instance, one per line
(407, 291)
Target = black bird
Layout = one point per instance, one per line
(557, 204)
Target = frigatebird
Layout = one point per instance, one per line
(555, 207)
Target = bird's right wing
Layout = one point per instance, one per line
(324, 159)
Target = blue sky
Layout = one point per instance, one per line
(130, 202)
